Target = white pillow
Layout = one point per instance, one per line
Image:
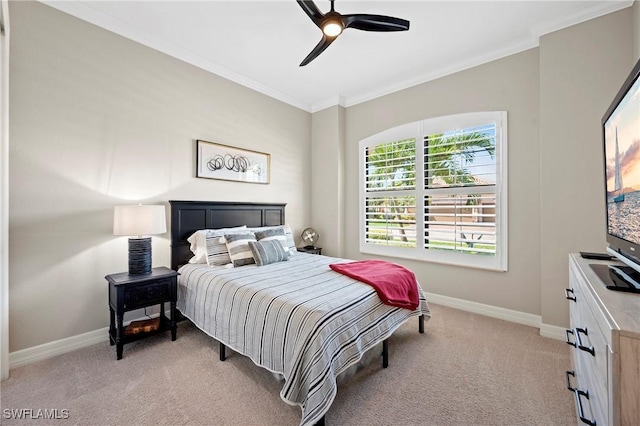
(198, 242)
(291, 244)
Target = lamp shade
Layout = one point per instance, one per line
(139, 220)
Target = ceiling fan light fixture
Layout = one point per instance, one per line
(332, 24)
(332, 28)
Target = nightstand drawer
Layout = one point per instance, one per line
(145, 295)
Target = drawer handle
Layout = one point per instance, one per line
(566, 294)
(567, 332)
(580, 346)
(570, 373)
(578, 393)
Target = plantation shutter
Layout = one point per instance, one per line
(460, 190)
(436, 190)
(390, 201)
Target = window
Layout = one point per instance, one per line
(435, 190)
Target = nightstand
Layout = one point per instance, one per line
(310, 250)
(129, 292)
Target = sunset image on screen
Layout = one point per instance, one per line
(622, 145)
(622, 163)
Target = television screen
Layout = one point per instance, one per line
(622, 162)
(621, 136)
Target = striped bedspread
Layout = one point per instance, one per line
(297, 318)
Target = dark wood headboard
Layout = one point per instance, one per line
(190, 216)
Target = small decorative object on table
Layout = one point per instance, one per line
(310, 238)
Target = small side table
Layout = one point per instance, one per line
(129, 292)
(310, 250)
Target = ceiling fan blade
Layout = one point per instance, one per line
(312, 11)
(362, 21)
(320, 47)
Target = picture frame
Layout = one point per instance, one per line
(224, 162)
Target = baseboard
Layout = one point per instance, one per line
(553, 331)
(57, 347)
(499, 313)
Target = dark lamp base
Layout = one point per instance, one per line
(139, 256)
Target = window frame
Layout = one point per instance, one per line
(417, 130)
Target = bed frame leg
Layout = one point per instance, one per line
(385, 353)
(223, 354)
(421, 324)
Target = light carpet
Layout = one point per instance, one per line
(466, 369)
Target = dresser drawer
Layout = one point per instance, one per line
(591, 346)
(593, 371)
(590, 352)
(587, 408)
(575, 295)
(593, 403)
(145, 295)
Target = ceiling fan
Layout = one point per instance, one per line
(333, 23)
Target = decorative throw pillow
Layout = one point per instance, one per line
(268, 251)
(198, 242)
(273, 234)
(217, 253)
(290, 242)
(238, 247)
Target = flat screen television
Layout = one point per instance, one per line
(621, 140)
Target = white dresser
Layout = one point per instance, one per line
(605, 340)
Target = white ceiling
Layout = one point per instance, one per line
(260, 44)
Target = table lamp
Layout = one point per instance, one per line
(139, 222)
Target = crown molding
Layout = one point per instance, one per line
(86, 13)
(517, 46)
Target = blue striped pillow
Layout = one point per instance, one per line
(268, 251)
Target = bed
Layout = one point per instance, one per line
(296, 318)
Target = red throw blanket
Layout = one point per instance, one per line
(395, 284)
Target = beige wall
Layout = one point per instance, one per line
(581, 70)
(98, 120)
(327, 179)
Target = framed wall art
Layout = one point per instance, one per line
(216, 161)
